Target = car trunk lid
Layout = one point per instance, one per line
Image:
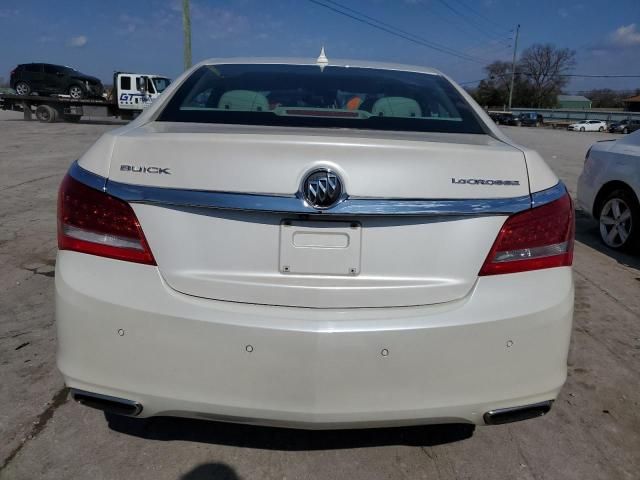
(319, 261)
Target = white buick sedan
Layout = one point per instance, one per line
(609, 189)
(314, 245)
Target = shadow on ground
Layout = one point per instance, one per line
(587, 233)
(269, 438)
(211, 471)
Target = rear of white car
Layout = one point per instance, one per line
(314, 246)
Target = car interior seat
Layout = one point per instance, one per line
(244, 100)
(396, 107)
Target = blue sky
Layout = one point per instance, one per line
(98, 37)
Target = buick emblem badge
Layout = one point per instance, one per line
(322, 188)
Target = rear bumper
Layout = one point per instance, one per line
(123, 333)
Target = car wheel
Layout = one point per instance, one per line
(619, 220)
(601, 129)
(46, 114)
(23, 88)
(76, 92)
(625, 130)
(582, 129)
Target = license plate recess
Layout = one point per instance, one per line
(320, 248)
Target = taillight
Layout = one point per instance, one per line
(94, 222)
(534, 239)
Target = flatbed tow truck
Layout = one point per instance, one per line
(132, 93)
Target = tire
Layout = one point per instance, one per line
(23, 88)
(76, 92)
(619, 220)
(625, 130)
(582, 129)
(46, 114)
(601, 129)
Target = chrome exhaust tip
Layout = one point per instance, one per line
(106, 403)
(516, 414)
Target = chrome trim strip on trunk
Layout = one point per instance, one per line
(548, 195)
(90, 179)
(293, 204)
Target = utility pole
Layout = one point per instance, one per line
(513, 66)
(186, 26)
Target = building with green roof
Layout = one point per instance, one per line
(577, 102)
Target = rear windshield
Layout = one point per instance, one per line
(332, 97)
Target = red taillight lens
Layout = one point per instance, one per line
(94, 222)
(538, 238)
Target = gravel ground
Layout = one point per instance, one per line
(593, 432)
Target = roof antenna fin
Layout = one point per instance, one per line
(322, 60)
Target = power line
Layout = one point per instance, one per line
(458, 20)
(385, 27)
(483, 17)
(471, 22)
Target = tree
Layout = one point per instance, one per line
(494, 90)
(607, 98)
(545, 68)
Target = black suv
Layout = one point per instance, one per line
(47, 79)
(625, 126)
(530, 119)
(503, 118)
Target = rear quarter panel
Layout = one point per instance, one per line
(608, 162)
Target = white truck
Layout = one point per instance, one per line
(131, 93)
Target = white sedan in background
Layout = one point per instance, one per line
(589, 126)
(609, 188)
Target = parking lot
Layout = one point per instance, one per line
(593, 431)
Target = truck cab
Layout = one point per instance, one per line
(135, 91)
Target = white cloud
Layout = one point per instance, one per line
(626, 36)
(78, 42)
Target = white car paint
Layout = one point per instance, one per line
(609, 165)
(222, 329)
(589, 126)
